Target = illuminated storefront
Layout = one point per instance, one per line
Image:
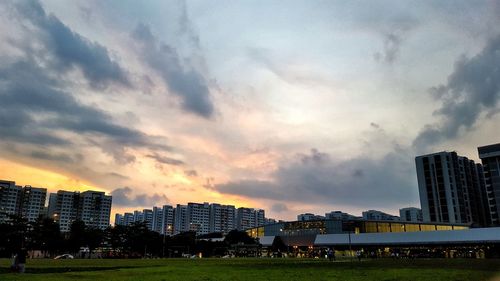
(301, 228)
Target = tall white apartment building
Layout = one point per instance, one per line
(490, 158)
(181, 221)
(157, 219)
(148, 218)
(66, 209)
(222, 218)
(199, 217)
(167, 224)
(128, 218)
(32, 202)
(27, 202)
(10, 195)
(451, 188)
(119, 219)
(249, 218)
(92, 207)
(138, 216)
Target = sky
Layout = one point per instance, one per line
(290, 106)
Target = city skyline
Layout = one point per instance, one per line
(306, 107)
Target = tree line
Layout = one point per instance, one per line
(42, 238)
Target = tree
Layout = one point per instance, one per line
(239, 237)
(14, 234)
(46, 236)
(93, 238)
(77, 235)
(137, 237)
(278, 245)
(117, 237)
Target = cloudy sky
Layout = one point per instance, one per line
(290, 106)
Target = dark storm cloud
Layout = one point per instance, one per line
(18, 126)
(56, 157)
(69, 49)
(117, 176)
(317, 178)
(36, 108)
(166, 160)
(279, 208)
(472, 89)
(185, 82)
(394, 33)
(123, 197)
(392, 43)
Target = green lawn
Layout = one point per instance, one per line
(255, 269)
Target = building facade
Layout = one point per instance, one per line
(128, 218)
(91, 207)
(378, 215)
(339, 215)
(222, 218)
(147, 218)
(199, 217)
(249, 218)
(181, 221)
(95, 209)
(411, 214)
(309, 217)
(168, 213)
(450, 188)
(27, 202)
(490, 158)
(157, 219)
(309, 229)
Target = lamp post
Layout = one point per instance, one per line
(350, 248)
(349, 229)
(169, 227)
(163, 250)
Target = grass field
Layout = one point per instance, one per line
(255, 269)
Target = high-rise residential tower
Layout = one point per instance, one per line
(167, 226)
(249, 217)
(199, 217)
(27, 202)
(490, 157)
(92, 207)
(222, 218)
(32, 202)
(181, 222)
(450, 188)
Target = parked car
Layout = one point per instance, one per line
(65, 256)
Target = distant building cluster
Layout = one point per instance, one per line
(455, 189)
(378, 215)
(202, 218)
(92, 207)
(410, 214)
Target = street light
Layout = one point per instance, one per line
(349, 228)
(169, 227)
